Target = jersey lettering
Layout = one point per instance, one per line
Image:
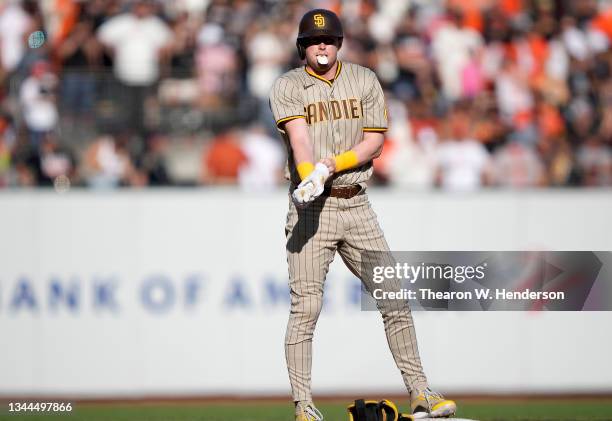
(319, 112)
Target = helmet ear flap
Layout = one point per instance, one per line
(340, 42)
(301, 50)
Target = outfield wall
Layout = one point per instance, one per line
(184, 292)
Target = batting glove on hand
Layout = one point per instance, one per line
(303, 196)
(312, 186)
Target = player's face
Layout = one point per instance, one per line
(321, 53)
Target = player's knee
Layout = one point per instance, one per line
(306, 307)
(395, 313)
(303, 319)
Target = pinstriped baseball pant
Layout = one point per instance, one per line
(314, 234)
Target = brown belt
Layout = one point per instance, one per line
(342, 192)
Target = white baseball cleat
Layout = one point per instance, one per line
(430, 404)
(307, 412)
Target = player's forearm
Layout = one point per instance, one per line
(370, 148)
(301, 146)
(365, 151)
(302, 150)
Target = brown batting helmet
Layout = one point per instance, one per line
(316, 23)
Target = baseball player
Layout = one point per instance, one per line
(332, 118)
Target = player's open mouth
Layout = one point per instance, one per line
(323, 60)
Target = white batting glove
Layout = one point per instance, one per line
(316, 180)
(303, 196)
(312, 186)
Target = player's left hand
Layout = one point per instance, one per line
(330, 163)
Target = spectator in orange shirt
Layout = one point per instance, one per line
(222, 160)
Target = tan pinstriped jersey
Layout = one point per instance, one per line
(337, 113)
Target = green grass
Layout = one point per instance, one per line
(486, 410)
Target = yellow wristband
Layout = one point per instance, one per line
(346, 161)
(304, 169)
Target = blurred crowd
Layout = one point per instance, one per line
(110, 93)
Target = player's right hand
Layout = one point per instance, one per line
(316, 180)
(302, 196)
(311, 187)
